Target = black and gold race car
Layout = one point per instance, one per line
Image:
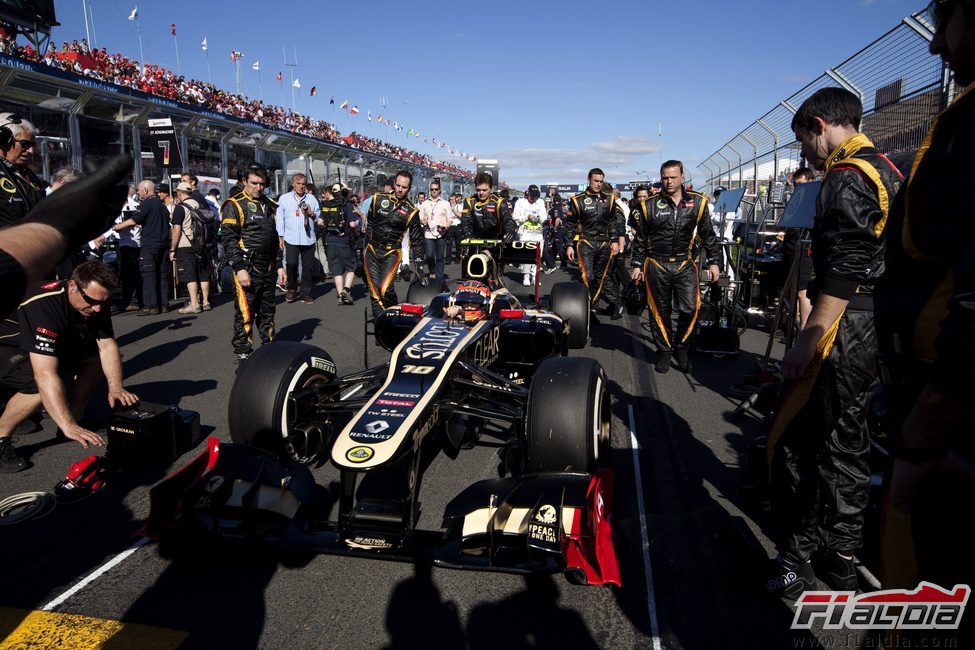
(503, 381)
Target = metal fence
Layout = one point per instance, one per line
(902, 87)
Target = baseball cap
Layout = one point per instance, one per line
(533, 191)
(184, 187)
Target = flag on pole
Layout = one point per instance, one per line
(134, 14)
(344, 105)
(235, 54)
(354, 110)
(379, 120)
(660, 130)
(331, 100)
(172, 28)
(296, 84)
(369, 115)
(314, 90)
(256, 66)
(278, 78)
(203, 45)
(387, 121)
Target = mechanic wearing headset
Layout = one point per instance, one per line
(390, 217)
(597, 219)
(667, 227)
(20, 188)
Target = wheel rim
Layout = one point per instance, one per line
(300, 380)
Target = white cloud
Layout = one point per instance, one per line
(570, 162)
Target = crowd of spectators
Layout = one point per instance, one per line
(79, 58)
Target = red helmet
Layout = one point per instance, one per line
(474, 298)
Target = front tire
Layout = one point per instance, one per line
(259, 414)
(570, 300)
(568, 416)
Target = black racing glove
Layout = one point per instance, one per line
(85, 209)
(420, 273)
(508, 238)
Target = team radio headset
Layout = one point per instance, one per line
(6, 142)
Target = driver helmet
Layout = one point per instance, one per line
(474, 298)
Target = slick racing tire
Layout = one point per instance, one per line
(418, 294)
(568, 416)
(259, 413)
(570, 300)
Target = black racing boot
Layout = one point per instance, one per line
(663, 361)
(683, 362)
(789, 578)
(617, 312)
(836, 571)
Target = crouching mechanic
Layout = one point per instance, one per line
(250, 243)
(390, 217)
(598, 221)
(66, 329)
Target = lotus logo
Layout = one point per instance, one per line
(359, 454)
(377, 427)
(546, 515)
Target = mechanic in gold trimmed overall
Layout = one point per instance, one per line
(390, 217)
(250, 242)
(926, 329)
(598, 221)
(667, 226)
(818, 443)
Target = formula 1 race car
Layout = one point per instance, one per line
(501, 380)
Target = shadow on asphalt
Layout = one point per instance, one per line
(303, 330)
(159, 354)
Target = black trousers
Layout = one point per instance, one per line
(668, 283)
(292, 253)
(454, 237)
(254, 306)
(157, 275)
(130, 280)
(380, 269)
(595, 264)
(820, 446)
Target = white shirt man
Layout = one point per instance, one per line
(530, 215)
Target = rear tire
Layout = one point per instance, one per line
(568, 416)
(570, 300)
(258, 407)
(418, 294)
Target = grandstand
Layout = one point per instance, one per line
(91, 105)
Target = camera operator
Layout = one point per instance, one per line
(65, 328)
(341, 226)
(20, 188)
(390, 217)
(298, 214)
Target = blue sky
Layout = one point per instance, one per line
(549, 88)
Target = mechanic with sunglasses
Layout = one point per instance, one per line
(20, 188)
(64, 329)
